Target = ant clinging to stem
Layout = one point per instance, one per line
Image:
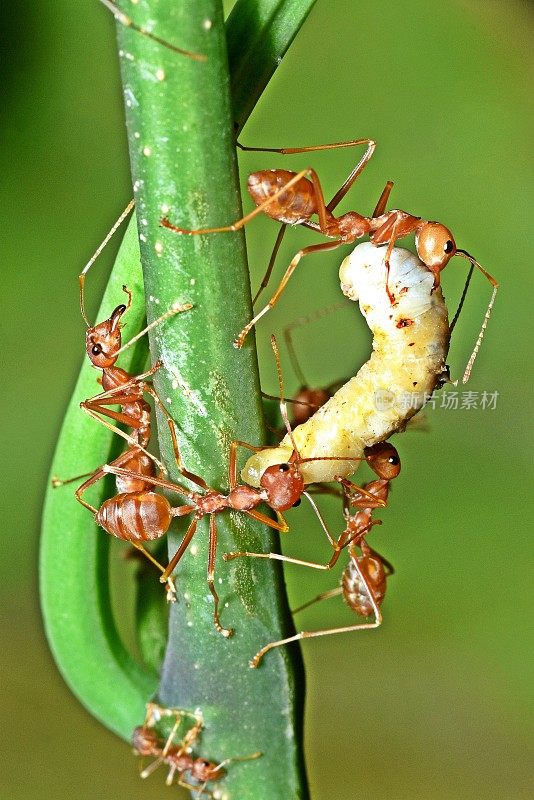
(363, 583)
(292, 198)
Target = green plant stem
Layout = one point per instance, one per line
(183, 163)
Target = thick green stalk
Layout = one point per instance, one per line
(181, 139)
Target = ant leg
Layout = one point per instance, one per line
(254, 662)
(212, 549)
(123, 19)
(232, 463)
(299, 323)
(95, 476)
(323, 596)
(151, 768)
(383, 200)
(57, 482)
(270, 265)
(177, 455)
(128, 473)
(286, 559)
(386, 262)
(181, 550)
(316, 248)
(281, 525)
(194, 788)
(169, 583)
(240, 223)
(131, 441)
(366, 500)
(340, 194)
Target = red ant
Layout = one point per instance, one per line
(293, 198)
(146, 515)
(364, 579)
(103, 346)
(177, 757)
(125, 20)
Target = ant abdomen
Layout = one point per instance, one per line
(138, 516)
(294, 206)
(355, 592)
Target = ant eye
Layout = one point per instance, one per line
(448, 247)
(284, 468)
(297, 503)
(394, 460)
(96, 349)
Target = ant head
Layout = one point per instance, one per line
(435, 245)
(284, 485)
(383, 460)
(103, 341)
(204, 770)
(144, 740)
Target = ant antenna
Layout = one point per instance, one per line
(95, 255)
(283, 406)
(129, 23)
(495, 285)
(304, 320)
(227, 761)
(462, 298)
(176, 308)
(319, 516)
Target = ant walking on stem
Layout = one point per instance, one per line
(178, 757)
(103, 346)
(292, 198)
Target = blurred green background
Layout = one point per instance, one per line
(435, 704)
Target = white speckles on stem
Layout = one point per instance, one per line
(207, 24)
(142, 237)
(130, 98)
(147, 151)
(187, 391)
(160, 74)
(192, 281)
(164, 208)
(158, 247)
(138, 185)
(193, 550)
(137, 135)
(144, 221)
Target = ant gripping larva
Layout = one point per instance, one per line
(292, 198)
(363, 583)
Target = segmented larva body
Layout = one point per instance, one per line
(410, 345)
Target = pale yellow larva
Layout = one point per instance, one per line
(410, 345)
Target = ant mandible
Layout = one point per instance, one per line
(293, 198)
